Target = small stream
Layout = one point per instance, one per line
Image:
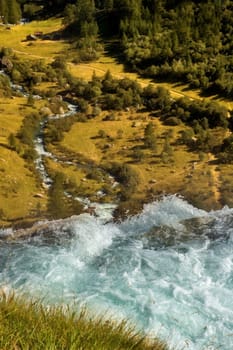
(40, 146)
(39, 139)
(102, 209)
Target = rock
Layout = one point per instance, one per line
(201, 228)
(6, 62)
(136, 124)
(61, 110)
(90, 210)
(153, 181)
(46, 111)
(31, 37)
(56, 99)
(38, 195)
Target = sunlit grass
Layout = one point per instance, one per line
(30, 325)
(15, 38)
(154, 176)
(17, 183)
(106, 62)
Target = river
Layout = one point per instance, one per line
(180, 290)
(168, 274)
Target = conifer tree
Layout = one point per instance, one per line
(108, 4)
(10, 11)
(3, 11)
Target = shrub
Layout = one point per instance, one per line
(172, 121)
(95, 174)
(82, 118)
(127, 176)
(101, 134)
(109, 117)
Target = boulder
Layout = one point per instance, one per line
(46, 111)
(6, 63)
(201, 228)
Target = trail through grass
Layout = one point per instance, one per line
(106, 62)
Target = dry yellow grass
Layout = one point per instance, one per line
(154, 175)
(15, 38)
(79, 140)
(12, 112)
(17, 183)
(105, 62)
(10, 116)
(179, 175)
(17, 187)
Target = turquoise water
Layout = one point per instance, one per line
(178, 288)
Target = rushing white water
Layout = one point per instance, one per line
(181, 290)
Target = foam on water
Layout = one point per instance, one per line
(169, 211)
(182, 292)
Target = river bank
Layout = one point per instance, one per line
(166, 270)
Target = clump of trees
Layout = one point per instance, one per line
(150, 139)
(23, 142)
(31, 73)
(108, 92)
(127, 177)
(189, 41)
(80, 20)
(10, 11)
(59, 204)
(5, 88)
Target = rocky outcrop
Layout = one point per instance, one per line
(49, 231)
(5, 62)
(201, 228)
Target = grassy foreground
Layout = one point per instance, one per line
(29, 325)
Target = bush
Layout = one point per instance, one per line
(172, 121)
(126, 176)
(95, 174)
(82, 118)
(109, 117)
(102, 134)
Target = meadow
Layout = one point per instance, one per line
(122, 138)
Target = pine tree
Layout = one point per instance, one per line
(150, 139)
(108, 4)
(3, 11)
(14, 11)
(57, 205)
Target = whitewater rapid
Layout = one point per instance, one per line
(178, 289)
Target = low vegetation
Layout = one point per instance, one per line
(19, 184)
(165, 139)
(136, 136)
(28, 324)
